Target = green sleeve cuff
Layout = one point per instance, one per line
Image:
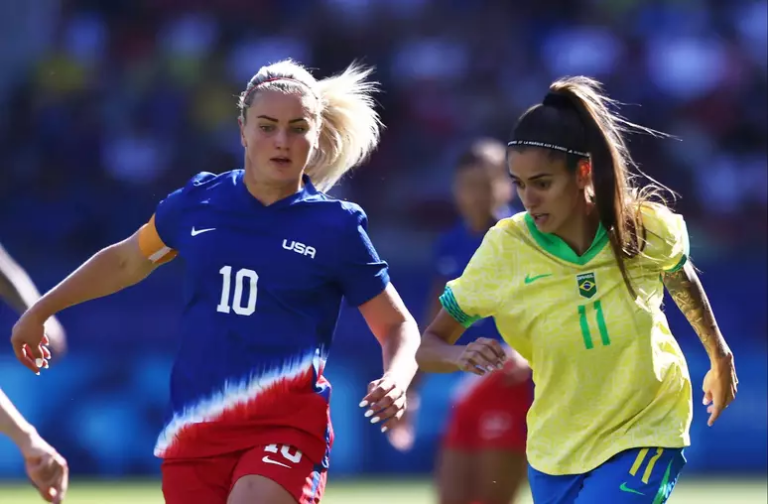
(679, 265)
(448, 301)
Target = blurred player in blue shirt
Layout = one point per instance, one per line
(483, 454)
(268, 259)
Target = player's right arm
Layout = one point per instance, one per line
(474, 295)
(110, 270)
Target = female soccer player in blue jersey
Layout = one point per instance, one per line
(575, 284)
(268, 258)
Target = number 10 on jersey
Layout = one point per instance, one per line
(243, 277)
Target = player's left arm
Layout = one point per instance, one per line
(19, 291)
(720, 384)
(684, 286)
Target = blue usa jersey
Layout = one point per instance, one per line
(263, 288)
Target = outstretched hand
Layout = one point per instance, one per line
(385, 400)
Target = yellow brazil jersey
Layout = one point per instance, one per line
(608, 374)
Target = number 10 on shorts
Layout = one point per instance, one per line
(601, 327)
(288, 456)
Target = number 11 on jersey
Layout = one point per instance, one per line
(237, 302)
(601, 327)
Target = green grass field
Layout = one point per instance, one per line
(373, 492)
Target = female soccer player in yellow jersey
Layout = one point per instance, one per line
(575, 284)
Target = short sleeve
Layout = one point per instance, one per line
(666, 235)
(362, 273)
(480, 289)
(169, 212)
(152, 246)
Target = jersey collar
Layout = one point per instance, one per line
(558, 248)
(307, 191)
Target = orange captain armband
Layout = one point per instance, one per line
(152, 245)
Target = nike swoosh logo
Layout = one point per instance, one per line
(196, 232)
(268, 460)
(625, 488)
(531, 279)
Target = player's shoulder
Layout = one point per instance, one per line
(206, 182)
(330, 212)
(510, 229)
(662, 228)
(504, 239)
(204, 186)
(664, 233)
(658, 218)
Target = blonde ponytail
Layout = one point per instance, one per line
(349, 125)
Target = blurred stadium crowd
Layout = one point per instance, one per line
(112, 104)
(109, 105)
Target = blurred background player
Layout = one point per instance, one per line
(19, 291)
(575, 284)
(268, 258)
(482, 458)
(47, 470)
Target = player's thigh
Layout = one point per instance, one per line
(501, 474)
(456, 472)
(255, 489)
(641, 476)
(277, 474)
(197, 480)
(550, 489)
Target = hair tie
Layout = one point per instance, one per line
(254, 86)
(557, 100)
